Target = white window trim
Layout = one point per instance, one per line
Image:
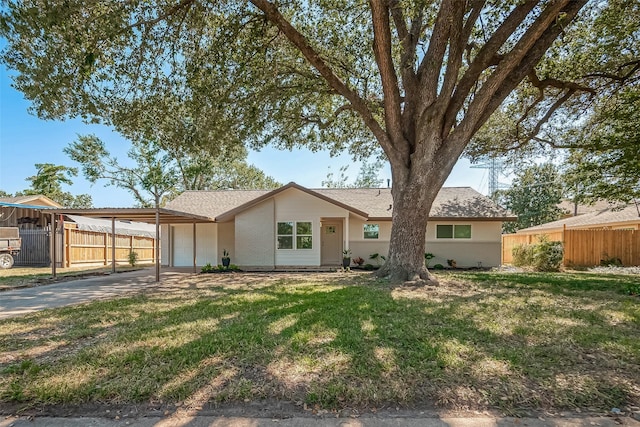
(294, 236)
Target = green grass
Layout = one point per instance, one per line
(481, 340)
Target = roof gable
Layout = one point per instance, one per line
(32, 200)
(453, 203)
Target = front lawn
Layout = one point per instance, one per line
(481, 340)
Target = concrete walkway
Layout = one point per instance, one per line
(27, 300)
(208, 421)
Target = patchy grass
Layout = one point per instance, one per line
(481, 340)
(24, 277)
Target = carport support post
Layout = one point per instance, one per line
(194, 248)
(157, 238)
(53, 251)
(113, 244)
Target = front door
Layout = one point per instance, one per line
(331, 243)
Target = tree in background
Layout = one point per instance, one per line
(605, 163)
(367, 177)
(534, 196)
(161, 174)
(48, 181)
(416, 80)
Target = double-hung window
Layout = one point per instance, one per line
(295, 235)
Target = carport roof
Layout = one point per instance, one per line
(167, 216)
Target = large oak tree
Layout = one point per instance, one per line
(416, 79)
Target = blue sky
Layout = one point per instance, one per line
(26, 140)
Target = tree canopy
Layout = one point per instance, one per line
(534, 196)
(48, 181)
(413, 79)
(161, 174)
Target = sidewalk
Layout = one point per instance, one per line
(371, 421)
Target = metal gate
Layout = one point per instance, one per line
(36, 247)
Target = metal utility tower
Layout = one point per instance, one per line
(495, 167)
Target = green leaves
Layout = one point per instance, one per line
(534, 197)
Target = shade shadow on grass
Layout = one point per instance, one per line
(507, 342)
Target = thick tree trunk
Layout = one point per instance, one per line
(414, 191)
(405, 262)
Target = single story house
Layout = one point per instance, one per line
(294, 227)
(609, 218)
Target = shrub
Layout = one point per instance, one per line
(368, 267)
(547, 255)
(133, 258)
(522, 255)
(208, 268)
(438, 267)
(610, 261)
(542, 256)
(428, 257)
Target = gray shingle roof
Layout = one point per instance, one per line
(451, 202)
(601, 218)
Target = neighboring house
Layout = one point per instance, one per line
(26, 212)
(570, 208)
(294, 226)
(625, 218)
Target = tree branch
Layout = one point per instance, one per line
(619, 78)
(272, 13)
(519, 62)
(431, 64)
(171, 11)
(484, 59)
(384, 60)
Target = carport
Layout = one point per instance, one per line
(157, 216)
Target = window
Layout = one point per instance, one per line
(299, 232)
(462, 231)
(371, 231)
(303, 235)
(285, 235)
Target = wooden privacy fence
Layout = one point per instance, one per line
(84, 247)
(583, 247)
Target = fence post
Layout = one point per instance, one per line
(564, 245)
(106, 249)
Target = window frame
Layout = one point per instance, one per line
(296, 245)
(364, 231)
(453, 232)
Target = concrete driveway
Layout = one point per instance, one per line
(27, 300)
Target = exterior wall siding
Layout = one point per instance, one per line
(295, 205)
(364, 248)
(164, 244)
(182, 245)
(484, 246)
(182, 248)
(226, 240)
(206, 250)
(255, 236)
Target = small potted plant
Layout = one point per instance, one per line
(225, 258)
(452, 263)
(427, 258)
(358, 261)
(346, 258)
